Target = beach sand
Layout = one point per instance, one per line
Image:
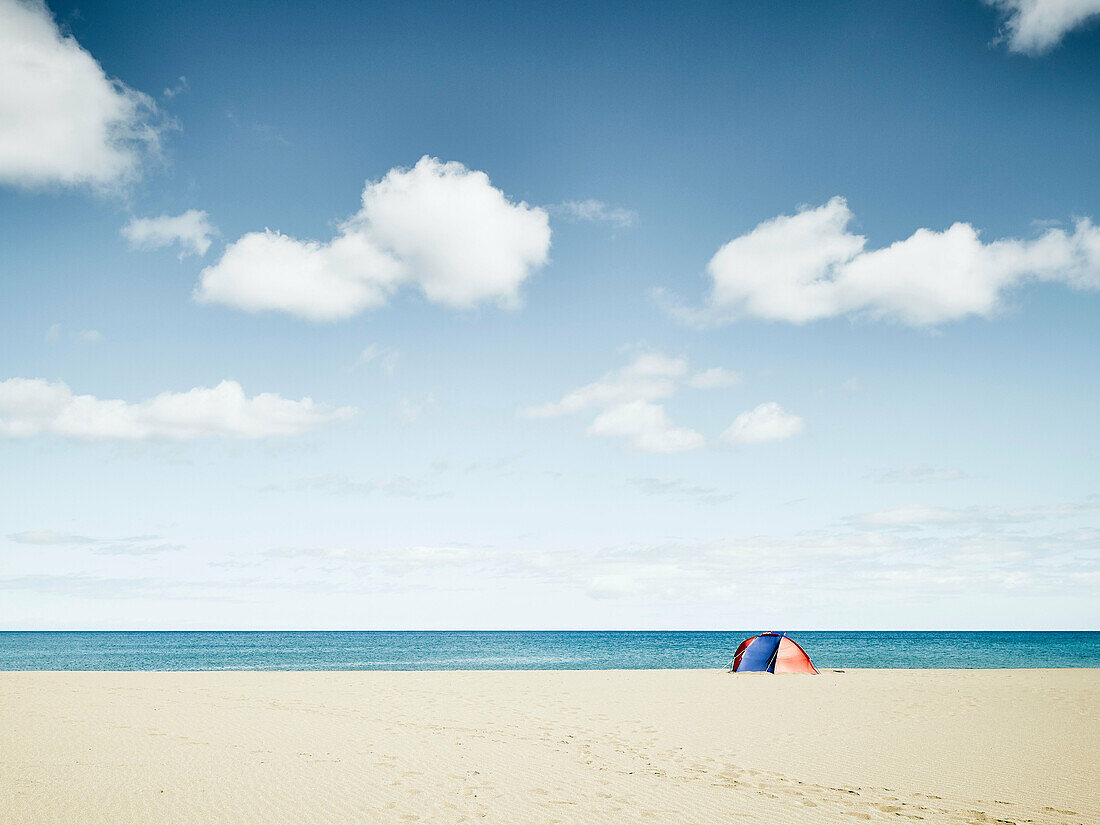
(513, 747)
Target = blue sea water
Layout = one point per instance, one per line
(527, 650)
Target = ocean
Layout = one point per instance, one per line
(528, 650)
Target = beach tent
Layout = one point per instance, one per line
(771, 653)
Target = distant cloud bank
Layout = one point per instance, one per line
(439, 227)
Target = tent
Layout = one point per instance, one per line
(771, 653)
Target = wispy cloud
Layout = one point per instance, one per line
(681, 490)
(628, 402)
(917, 516)
(48, 537)
(339, 484)
(191, 231)
(111, 588)
(594, 211)
(820, 566)
(919, 474)
(384, 357)
(179, 88)
(714, 378)
(412, 409)
(83, 336)
(1036, 26)
(127, 546)
(971, 552)
(627, 399)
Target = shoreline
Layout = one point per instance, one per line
(823, 670)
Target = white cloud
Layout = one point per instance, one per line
(191, 232)
(84, 336)
(30, 406)
(594, 211)
(649, 377)
(767, 422)
(340, 484)
(1037, 26)
(809, 266)
(48, 537)
(680, 489)
(915, 516)
(413, 408)
(129, 546)
(714, 378)
(180, 88)
(397, 560)
(834, 566)
(438, 226)
(627, 398)
(808, 568)
(647, 426)
(385, 357)
(62, 120)
(919, 474)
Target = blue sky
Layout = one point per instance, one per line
(593, 316)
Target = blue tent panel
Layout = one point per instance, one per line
(761, 654)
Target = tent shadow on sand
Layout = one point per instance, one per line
(770, 653)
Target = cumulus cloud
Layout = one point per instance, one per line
(810, 265)
(439, 227)
(191, 232)
(31, 406)
(767, 422)
(628, 396)
(647, 427)
(1037, 26)
(62, 120)
(594, 211)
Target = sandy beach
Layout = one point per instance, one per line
(516, 747)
